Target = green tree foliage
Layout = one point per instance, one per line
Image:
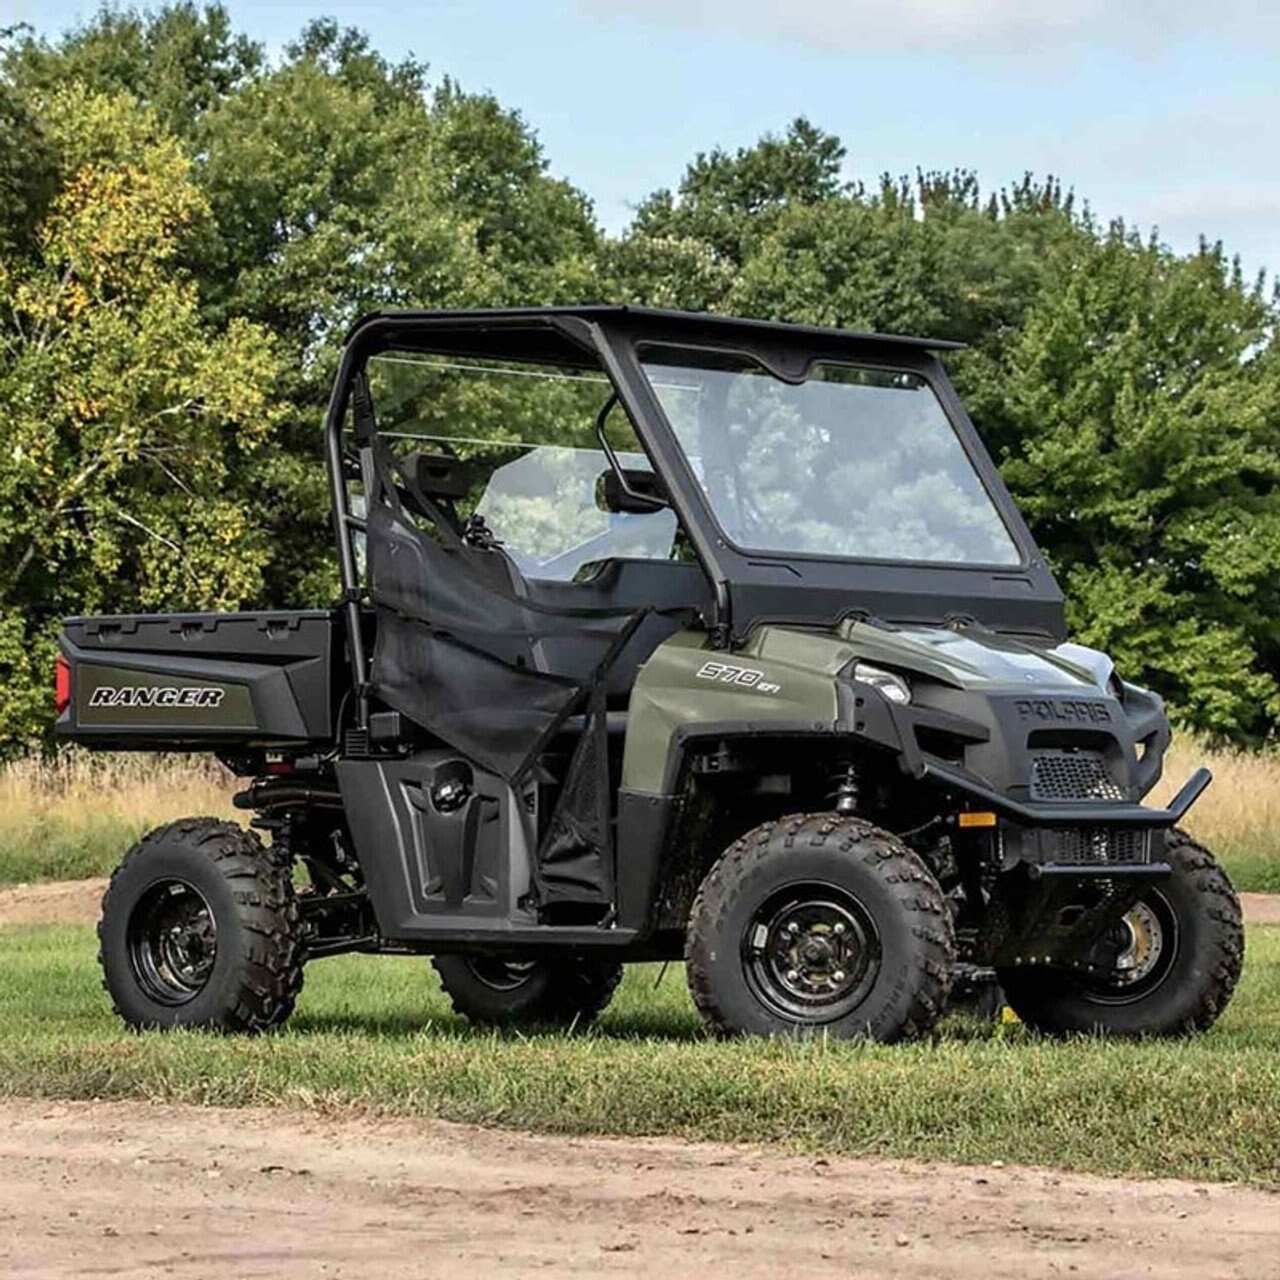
(178, 61)
(1147, 392)
(28, 176)
(170, 196)
(125, 414)
(336, 183)
(326, 201)
(687, 249)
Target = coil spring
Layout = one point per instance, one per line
(845, 794)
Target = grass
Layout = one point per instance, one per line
(1239, 816)
(74, 817)
(375, 1034)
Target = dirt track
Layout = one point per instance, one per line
(58, 902)
(131, 1190)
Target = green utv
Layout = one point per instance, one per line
(658, 636)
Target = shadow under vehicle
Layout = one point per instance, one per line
(659, 636)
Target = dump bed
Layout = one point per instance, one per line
(192, 680)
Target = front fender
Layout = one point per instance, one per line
(780, 683)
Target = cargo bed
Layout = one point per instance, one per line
(201, 679)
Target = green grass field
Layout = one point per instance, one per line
(375, 1034)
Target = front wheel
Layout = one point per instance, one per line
(496, 991)
(1176, 958)
(820, 925)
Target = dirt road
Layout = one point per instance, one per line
(131, 1190)
(57, 902)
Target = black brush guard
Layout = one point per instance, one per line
(1050, 914)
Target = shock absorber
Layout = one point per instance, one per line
(846, 792)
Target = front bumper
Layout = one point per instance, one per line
(1064, 872)
(1078, 814)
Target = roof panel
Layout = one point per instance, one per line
(713, 325)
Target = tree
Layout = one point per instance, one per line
(337, 182)
(177, 61)
(536, 232)
(125, 414)
(686, 249)
(731, 201)
(27, 176)
(352, 213)
(1129, 394)
(1145, 392)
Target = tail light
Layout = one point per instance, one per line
(61, 685)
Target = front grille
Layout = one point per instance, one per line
(1072, 775)
(1096, 846)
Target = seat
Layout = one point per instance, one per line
(674, 590)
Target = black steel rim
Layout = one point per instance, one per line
(1147, 940)
(811, 953)
(499, 974)
(172, 939)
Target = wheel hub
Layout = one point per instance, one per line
(502, 974)
(172, 940)
(1140, 953)
(811, 953)
(1141, 941)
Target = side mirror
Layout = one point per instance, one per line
(641, 494)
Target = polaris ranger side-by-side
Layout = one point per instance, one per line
(658, 636)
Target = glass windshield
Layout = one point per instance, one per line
(854, 462)
(518, 445)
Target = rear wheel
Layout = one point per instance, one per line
(498, 991)
(1175, 958)
(820, 925)
(200, 929)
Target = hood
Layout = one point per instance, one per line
(974, 658)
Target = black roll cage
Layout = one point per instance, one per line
(749, 587)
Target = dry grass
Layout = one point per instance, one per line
(79, 786)
(1239, 816)
(75, 815)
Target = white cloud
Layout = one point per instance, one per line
(1245, 216)
(1205, 169)
(1256, 202)
(973, 27)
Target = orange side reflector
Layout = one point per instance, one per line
(976, 819)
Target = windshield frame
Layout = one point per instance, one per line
(755, 588)
(973, 451)
(748, 589)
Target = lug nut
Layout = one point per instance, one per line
(792, 975)
(838, 927)
(838, 976)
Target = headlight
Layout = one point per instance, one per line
(894, 687)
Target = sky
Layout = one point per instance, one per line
(1164, 112)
